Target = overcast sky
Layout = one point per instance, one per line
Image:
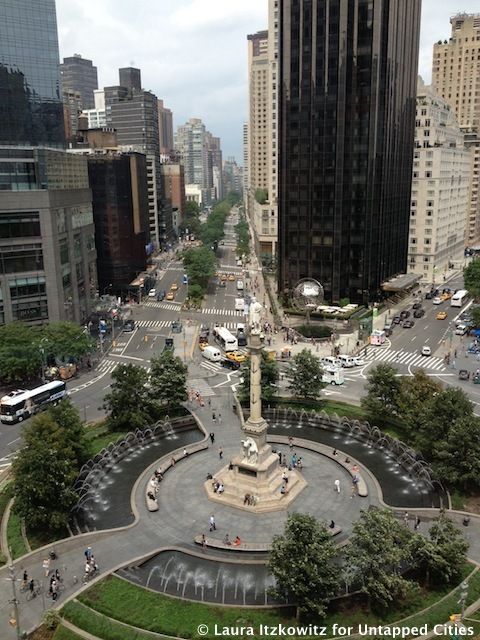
(193, 53)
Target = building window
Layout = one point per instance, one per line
(19, 225)
(25, 287)
(19, 260)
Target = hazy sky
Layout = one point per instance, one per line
(193, 53)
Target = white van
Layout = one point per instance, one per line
(346, 361)
(152, 293)
(461, 329)
(332, 375)
(239, 285)
(239, 304)
(212, 353)
(330, 361)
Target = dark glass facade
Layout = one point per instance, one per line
(79, 74)
(31, 109)
(347, 86)
(120, 213)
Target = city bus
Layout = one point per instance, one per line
(459, 298)
(225, 339)
(21, 404)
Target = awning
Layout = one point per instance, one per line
(401, 282)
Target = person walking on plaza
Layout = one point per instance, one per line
(213, 526)
(213, 416)
(212, 437)
(220, 453)
(337, 486)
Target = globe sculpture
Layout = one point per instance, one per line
(307, 296)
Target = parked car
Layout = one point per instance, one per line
(408, 324)
(404, 314)
(417, 305)
(396, 320)
(463, 374)
(419, 313)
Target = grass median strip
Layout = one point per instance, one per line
(14, 536)
(131, 604)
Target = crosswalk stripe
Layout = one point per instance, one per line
(406, 358)
(153, 323)
(222, 312)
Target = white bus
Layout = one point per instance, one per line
(225, 339)
(459, 298)
(20, 404)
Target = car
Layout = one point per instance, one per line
(359, 362)
(429, 295)
(408, 324)
(446, 296)
(396, 320)
(174, 287)
(152, 293)
(176, 326)
(170, 295)
(463, 374)
(426, 351)
(161, 296)
(168, 344)
(231, 277)
(404, 314)
(224, 277)
(230, 364)
(419, 313)
(236, 356)
(437, 300)
(204, 329)
(129, 326)
(441, 315)
(417, 305)
(202, 345)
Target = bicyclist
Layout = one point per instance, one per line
(31, 586)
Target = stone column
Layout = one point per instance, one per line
(255, 349)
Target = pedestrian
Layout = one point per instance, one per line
(334, 452)
(219, 417)
(416, 523)
(214, 416)
(405, 518)
(290, 442)
(220, 453)
(212, 437)
(213, 525)
(204, 541)
(209, 402)
(88, 553)
(185, 453)
(46, 566)
(337, 486)
(455, 353)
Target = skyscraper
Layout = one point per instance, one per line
(347, 88)
(31, 109)
(79, 75)
(456, 77)
(131, 78)
(165, 128)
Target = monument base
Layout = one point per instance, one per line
(263, 481)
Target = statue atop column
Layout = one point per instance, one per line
(255, 315)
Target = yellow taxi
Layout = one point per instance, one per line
(236, 356)
(174, 287)
(231, 277)
(170, 295)
(441, 315)
(215, 275)
(224, 277)
(202, 345)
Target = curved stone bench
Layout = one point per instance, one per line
(362, 489)
(214, 543)
(152, 505)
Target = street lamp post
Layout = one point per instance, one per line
(14, 601)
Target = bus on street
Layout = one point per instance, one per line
(21, 404)
(225, 339)
(459, 298)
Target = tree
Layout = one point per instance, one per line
(192, 209)
(168, 380)
(475, 313)
(415, 394)
(451, 546)
(261, 196)
(20, 357)
(426, 559)
(200, 266)
(301, 560)
(456, 457)
(269, 371)
(129, 404)
(43, 489)
(305, 375)
(471, 278)
(378, 548)
(440, 412)
(62, 430)
(66, 341)
(383, 392)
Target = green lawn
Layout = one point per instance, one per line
(123, 601)
(62, 633)
(14, 536)
(99, 437)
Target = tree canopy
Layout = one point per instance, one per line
(269, 370)
(471, 278)
(301, 560)
(168, 380)
(305, 375)
(382, 392)
(128, 404)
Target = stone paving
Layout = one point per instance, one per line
(183, 513)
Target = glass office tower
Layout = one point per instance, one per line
(31, 109)
(347, 85)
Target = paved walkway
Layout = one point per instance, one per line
(183, 513)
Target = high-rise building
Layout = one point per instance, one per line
(47, 239)
(72, 108)
(440, 189)
(31, 111)
(456, 77)
(347, 87)
(173, 178)
(261, 193)
(232, 176)
(97, 116)
(165, 129)
(200, 152)
(246, 162)
(131, 78)
(120, 212)
(79, 75)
